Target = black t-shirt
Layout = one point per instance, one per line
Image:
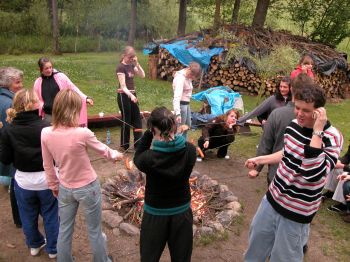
(49, 90)
(129, 72)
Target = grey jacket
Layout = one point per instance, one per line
(265, 108)
(272, 138)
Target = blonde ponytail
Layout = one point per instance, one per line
(11, 114)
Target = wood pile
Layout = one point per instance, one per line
(239, 78)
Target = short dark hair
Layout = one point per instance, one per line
(310, 93)
(163, 119)
(299, 81)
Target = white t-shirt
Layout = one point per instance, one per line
(31, 180)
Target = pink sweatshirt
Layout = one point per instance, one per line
(68, 147)
(182, 87)
(63, 82)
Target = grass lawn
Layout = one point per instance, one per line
(94, 74)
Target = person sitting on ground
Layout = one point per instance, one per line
(66, 144)
(49, 84)
(167, 160)
(219, 133)
(305, 66)
(21, 145)
(281, 97)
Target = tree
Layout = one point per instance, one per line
(181, 29)
(132, 30)
(217, 18)
(325, 21)
(260, 13)
(55, 29)
(235, 11)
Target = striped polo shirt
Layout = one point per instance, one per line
(295, 192)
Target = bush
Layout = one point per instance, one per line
(19, 44)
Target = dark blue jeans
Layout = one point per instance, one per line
(31, 203)
(346, 191)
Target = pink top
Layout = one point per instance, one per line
(182, 87)
(63, 82)
(68, 147)
(298, 70)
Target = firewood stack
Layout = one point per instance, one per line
(235, 76)
(238, 77)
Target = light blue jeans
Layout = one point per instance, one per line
(89, 197)
(185, 112)
(276, 236)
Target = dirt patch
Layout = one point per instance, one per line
(125, 248)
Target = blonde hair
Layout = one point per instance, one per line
(128, 51)
(24, 100)
(66, 109)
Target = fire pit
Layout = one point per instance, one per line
(214, 206)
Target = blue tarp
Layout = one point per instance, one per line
(221, 99)
(186, 54)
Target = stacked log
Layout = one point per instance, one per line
(240, 79)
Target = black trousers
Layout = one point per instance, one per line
(214, 143)
(176, 230)
(14, 206)
(130, 115)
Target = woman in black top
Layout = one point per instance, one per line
(127, 100)
(21, 145)
(168, 160)
(219, 133)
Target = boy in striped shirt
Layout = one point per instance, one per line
(281, 224)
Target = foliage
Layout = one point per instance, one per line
(326, 21)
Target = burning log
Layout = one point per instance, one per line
(125, 196)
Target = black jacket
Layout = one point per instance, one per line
(167, 174)
(21, 142)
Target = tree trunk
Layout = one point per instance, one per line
(55, 29)
(217, 14)
(260, 13)
(181, 28)
(235, 11)
(132, 30)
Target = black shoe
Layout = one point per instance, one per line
(338, 208)
(305, 249)
(327, 195)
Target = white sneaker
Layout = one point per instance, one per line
(199, 159)
(52, 256)
(36, 251)
(227, 157)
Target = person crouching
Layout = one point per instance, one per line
(219, 133)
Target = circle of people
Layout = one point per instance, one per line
(44, 142)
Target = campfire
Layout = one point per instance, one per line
(214, 206)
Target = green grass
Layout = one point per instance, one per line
(94, 74)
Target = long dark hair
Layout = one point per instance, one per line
(164, 120)
(278, 95)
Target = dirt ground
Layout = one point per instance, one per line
(125, 248)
